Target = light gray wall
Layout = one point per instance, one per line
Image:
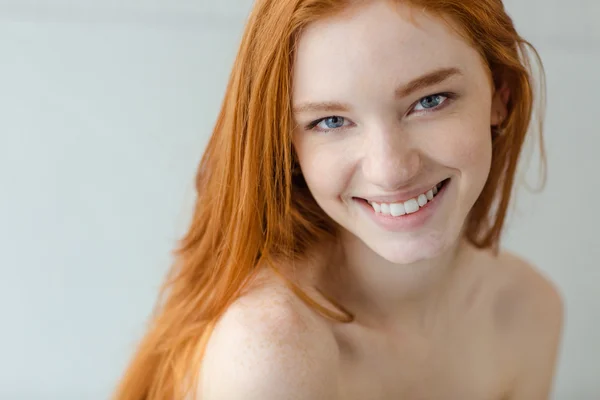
(105, 108)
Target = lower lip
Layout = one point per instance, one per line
(406, 221)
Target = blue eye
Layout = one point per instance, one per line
(431, 102)
(329, 123)
(333, 122)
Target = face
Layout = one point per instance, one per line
(393, 127)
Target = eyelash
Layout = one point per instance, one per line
(449, 98)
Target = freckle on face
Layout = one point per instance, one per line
(451, 143)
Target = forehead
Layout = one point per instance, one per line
(377, 45)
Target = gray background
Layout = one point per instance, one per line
(105, 108)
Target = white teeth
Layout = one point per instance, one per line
(407, 207)
(397, 209)
(376, 207)
(385, 209)
(411, 206)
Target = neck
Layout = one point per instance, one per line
(378, 292)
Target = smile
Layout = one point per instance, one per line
(409, 206)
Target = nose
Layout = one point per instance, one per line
(391, 160)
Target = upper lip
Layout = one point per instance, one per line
(401, 196)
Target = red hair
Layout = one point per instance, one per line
(252, 208)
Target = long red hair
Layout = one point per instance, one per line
(252, 208)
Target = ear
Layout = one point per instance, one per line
(499, 105)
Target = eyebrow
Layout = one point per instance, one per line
(432, 78)
(427, 80)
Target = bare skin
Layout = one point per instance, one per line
(473, 340)
(494, 336)
(434, 318)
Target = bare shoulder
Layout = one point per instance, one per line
(529, 308)
(537, 297)
(269, 345)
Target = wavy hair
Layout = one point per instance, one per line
(251, 207)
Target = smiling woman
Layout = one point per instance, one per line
(345, 243)
(399, 141)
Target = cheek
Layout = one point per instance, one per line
(467, 148)
(326, 169)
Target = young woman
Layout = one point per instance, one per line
(345, 242)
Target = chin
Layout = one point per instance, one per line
(412, 250)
